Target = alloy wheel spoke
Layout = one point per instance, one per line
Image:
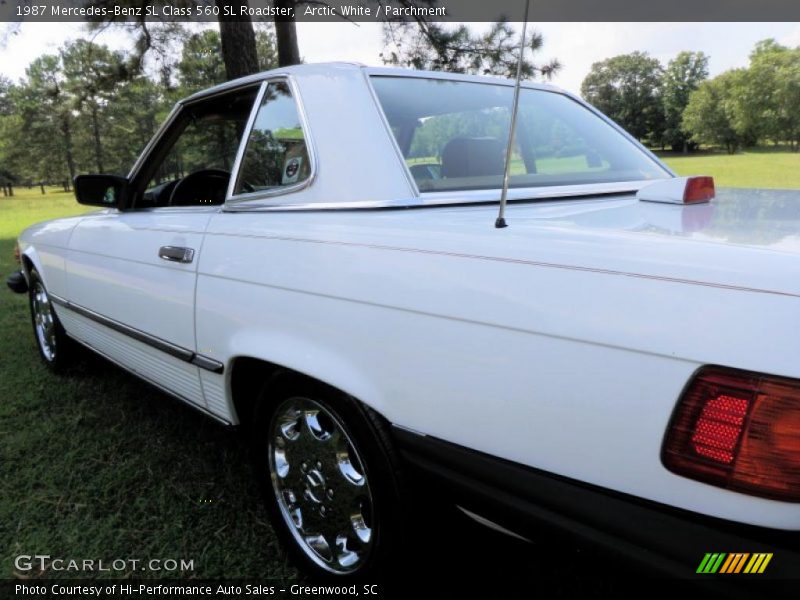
(320, 485)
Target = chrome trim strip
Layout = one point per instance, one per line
(243, 142)
(571, 192)
(158, 386)
(388, 128)
(184, 354)
(311, 150)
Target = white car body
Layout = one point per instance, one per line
(562, 342)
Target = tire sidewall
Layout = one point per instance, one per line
(379, 468)
(58, 361)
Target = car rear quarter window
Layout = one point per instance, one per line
(453, 136)
(276, 155)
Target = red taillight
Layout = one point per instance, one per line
(698, 189)
(738, 430)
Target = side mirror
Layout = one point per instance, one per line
(101, 190)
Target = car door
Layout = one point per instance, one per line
(141, 299)
(131, 272)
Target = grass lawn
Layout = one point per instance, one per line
(96, 464)
(758, 168)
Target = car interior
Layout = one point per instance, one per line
(193, 161)
(453, 136)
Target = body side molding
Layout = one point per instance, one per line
(204, 362)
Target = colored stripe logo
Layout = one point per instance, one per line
(734, 562)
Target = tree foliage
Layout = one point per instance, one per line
(434, 47)
(774, 86)
(201, 63)
(627, 88)
(744, 106)
(683, 75)
(713, 115)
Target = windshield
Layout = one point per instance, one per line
(453, 135)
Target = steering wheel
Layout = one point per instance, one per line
(203, 182)
(199, 185)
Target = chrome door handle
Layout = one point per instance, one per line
(176, 254)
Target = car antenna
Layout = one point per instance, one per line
(501, 219)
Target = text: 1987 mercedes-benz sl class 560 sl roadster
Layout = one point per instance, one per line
(311, 253)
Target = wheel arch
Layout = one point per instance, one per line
(29, 259)
(253, 373)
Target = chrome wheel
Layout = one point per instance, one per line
(44, 321)
(321, 486)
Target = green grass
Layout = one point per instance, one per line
(95, 464)
(758, 168)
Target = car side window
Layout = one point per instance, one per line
(193, 164)
(276, 155)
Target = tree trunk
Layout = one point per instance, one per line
(286, 36)
(238, 40)
(67, 133)
(98, 146)
(41, 187)
(10, 189)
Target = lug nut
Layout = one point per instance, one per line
(304, 466)
(322, 510)
(330, 492)
(319, 465)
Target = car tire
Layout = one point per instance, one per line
(55, 347)
(330, 478)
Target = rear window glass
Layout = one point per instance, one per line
(453, 136)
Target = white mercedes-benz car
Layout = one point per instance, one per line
(311, 253)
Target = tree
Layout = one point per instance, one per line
(6, 87)
(238, 43)
(419, 42)
(713, 115)
(139, 105)
(681, 77)
(92, 74)
(286, 33)
(237, 40)
(433, 47)
(627, 88)
(772, 92)
(202, 64)
(47, 122)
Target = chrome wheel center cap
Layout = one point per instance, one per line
(315, 486)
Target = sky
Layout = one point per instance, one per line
(576, 45)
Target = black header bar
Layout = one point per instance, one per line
(381, 10)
